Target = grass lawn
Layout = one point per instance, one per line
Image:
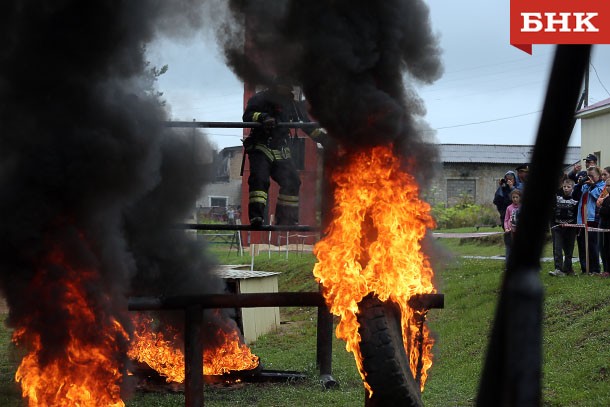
(576, 340)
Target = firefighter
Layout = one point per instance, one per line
(269, 154)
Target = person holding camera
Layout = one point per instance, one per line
(502, 196)
(587, 190)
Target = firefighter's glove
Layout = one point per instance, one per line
(318, 134)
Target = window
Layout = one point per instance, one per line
(460, 190)
(219, 201)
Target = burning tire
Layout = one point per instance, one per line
(384, 359)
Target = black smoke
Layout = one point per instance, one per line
(356, 60)
(87, 167)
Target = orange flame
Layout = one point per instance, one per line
(164, 355)
(373, 245)
(86, 371)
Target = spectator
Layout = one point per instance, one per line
(522, 172)
(590, 161)
(573, 174)
(511, 220)
(587, 191)
(564, 237)
(603, 203)
(605, 177)
(231, 216)
(502, 196)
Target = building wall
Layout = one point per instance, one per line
(595, 138)
(259, 321)
(231, 190)
(236, 155)
(473, 182)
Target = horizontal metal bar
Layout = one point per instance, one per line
(281, 299)
(264, 228)
(239, 125)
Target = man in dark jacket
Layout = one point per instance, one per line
(590, 160)
(269, 154)
(522, 173)
(502, 195)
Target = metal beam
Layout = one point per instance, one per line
(263, 228)
(239, 125)
(281, 299)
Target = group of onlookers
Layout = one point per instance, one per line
(508, 200)
(581, 215)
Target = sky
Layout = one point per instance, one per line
(490, 93)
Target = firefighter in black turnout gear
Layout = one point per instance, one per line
(269, 153)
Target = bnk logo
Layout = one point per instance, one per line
(559, 22)
(564, 22)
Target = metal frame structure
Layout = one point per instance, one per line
(194, 305)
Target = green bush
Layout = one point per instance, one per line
(464, 214)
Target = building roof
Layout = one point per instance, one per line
(237, 272)
(595, 109)
(496, 153)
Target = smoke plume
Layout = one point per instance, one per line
(356, 60)
(91, 178)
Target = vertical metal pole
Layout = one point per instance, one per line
(193, 356)
(239, 240)
(252, 256)
(325, 318)
(420, 319)
(324, 349)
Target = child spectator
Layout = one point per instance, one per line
(564, 237)
(511, 219)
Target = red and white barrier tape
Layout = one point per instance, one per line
(579, 225)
